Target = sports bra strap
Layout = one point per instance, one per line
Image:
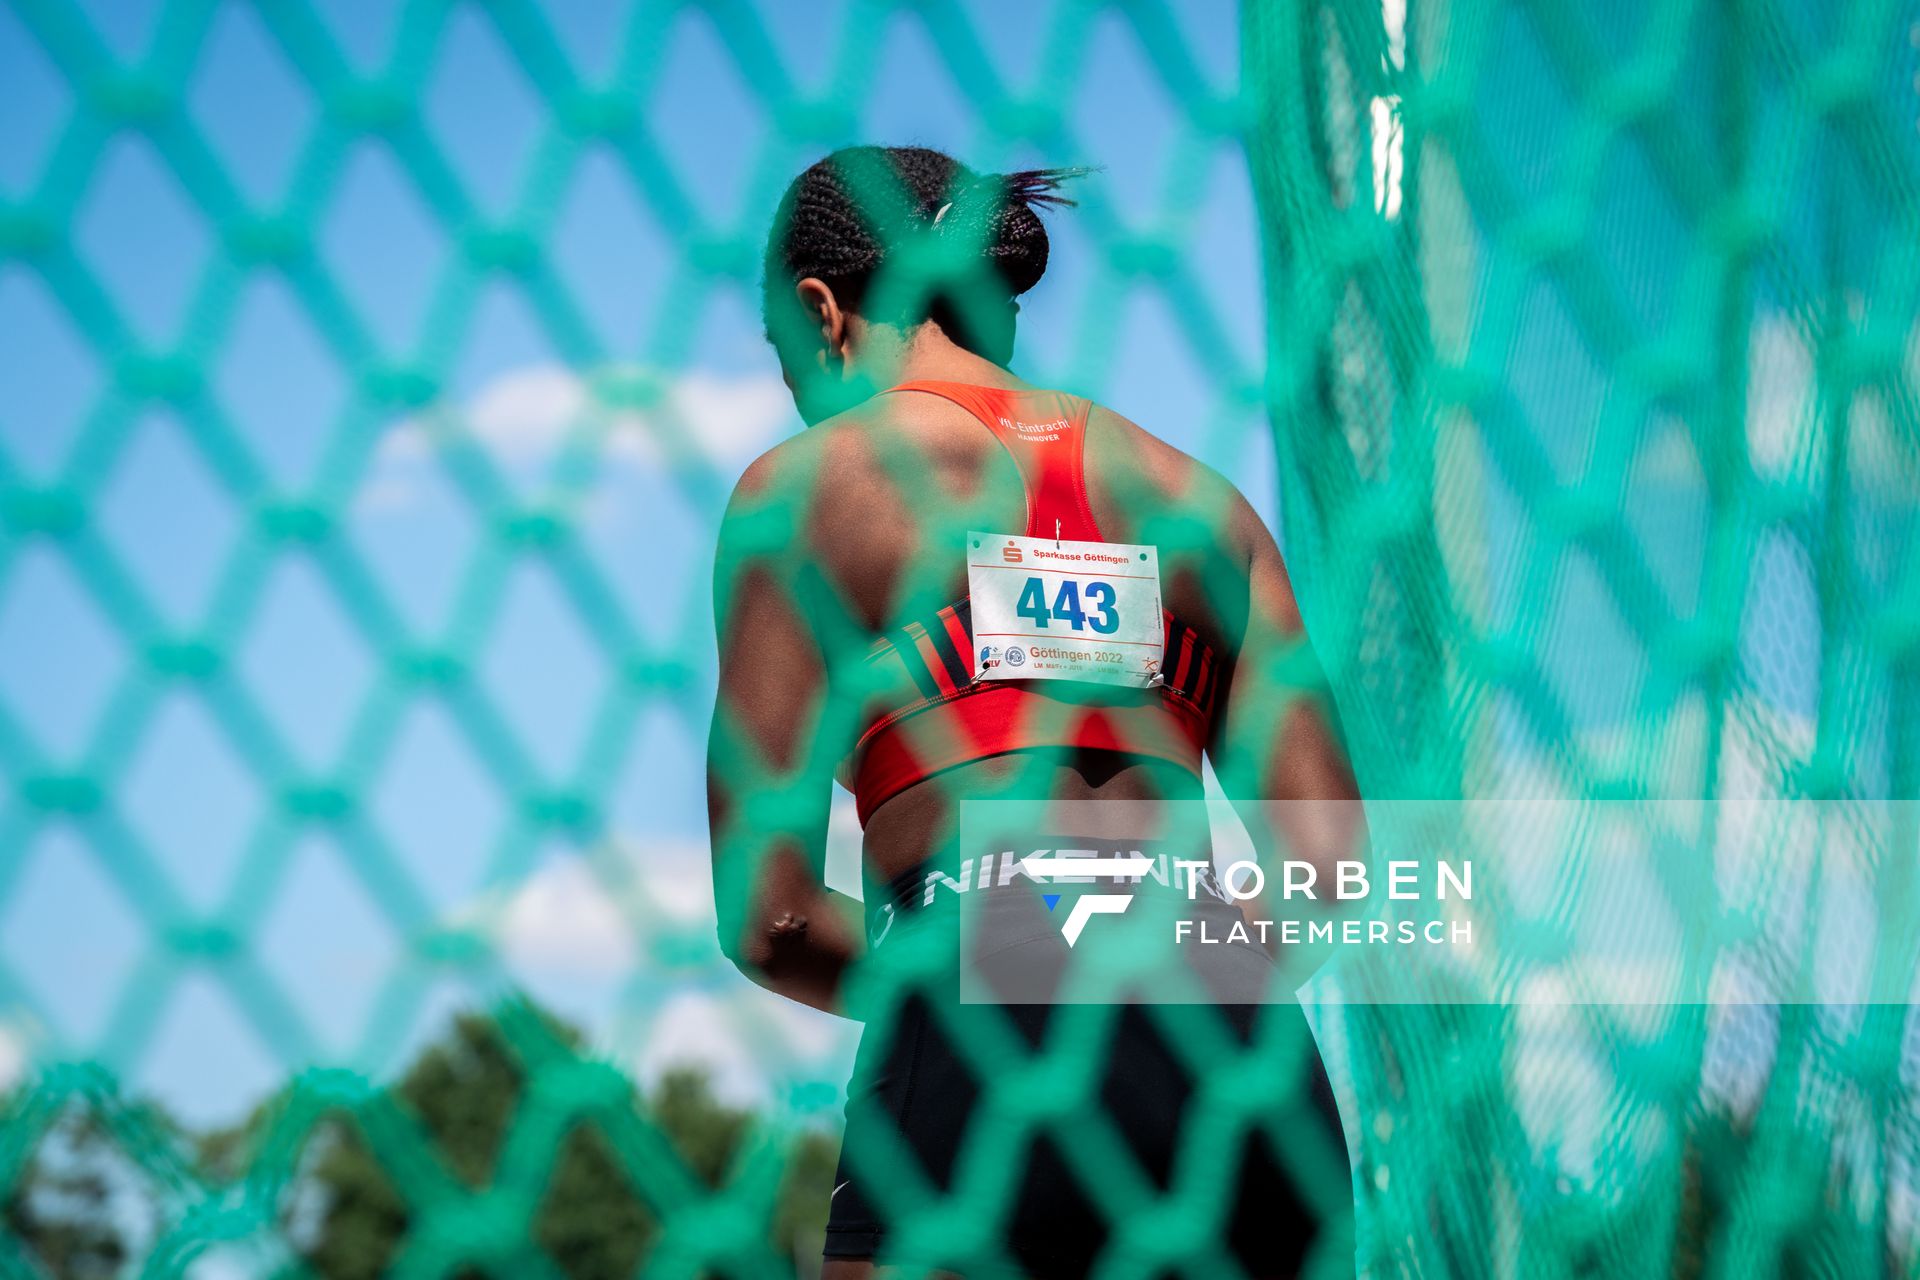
(1045, 434)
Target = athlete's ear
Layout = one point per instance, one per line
(823, 311)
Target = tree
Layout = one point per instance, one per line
(61, 1209)
(85, 1206)
(464, 1091)
(82, 1207)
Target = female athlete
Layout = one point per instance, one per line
(847, 650)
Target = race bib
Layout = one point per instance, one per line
(1050, 610)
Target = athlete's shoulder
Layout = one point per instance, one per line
(1179, 471)
(803, 455)
(786, 470)
(800, 492)
(1180, 479)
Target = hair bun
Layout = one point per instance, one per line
(845, 215)
(998, 208)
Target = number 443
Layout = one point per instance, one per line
(1099, 614)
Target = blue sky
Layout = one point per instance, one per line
(92, 959)
(90, 967)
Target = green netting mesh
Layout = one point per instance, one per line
(1591, 366)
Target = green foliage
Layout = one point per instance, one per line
(591, 1222)
(465, 1090)
(63, 1209)
(81, 1213)
(89, 1194)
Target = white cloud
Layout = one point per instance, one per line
(585, 914)
(747, 1040)
(13, 1054)
(674, 874)
(844, 851)
(734, 419)
(524, 419)
(581, 922)
(1780, 419)
(524, 415)
(562, 918)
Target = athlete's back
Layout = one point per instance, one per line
(900, 482)
(867, 635)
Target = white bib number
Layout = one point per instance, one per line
(1048, 610)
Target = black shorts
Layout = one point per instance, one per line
(1042, 1204)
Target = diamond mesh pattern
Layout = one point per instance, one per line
(1591, 368)
(1594, 368)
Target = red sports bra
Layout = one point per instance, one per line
(953, 720)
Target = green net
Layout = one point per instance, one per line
(1590, 371)
(1593, 365)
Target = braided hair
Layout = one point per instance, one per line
(843, 218)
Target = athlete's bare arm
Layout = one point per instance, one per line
(772, 750)
(1274, 745)
(1275, 750)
